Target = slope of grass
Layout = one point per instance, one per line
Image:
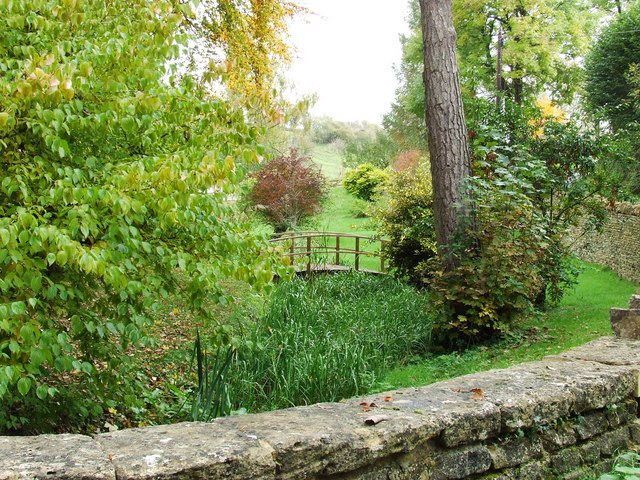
(328, 158)
(583, 315)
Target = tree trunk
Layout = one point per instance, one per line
(447, 131)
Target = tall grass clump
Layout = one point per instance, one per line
(327, 338)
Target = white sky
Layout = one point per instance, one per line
(346, 53)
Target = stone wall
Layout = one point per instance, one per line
(563, 417)
(617, 246)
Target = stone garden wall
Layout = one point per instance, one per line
(563, 417)
(617, 246)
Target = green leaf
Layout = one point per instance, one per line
(5, 237)
(42, 392)
(24, 385)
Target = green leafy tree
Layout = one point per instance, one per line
(379, 150)
(541, 42)
(520, 48)
(610, 70)
(613, 94)
(244, 39)
(114, 178)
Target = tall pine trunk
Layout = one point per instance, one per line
(447, 131)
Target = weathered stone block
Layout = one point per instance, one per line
(186, 451)
(580, 474)
(591, 424)
(603, 466)
(607, 350)
(562, 436)
(515, 452)
(610, 442)
(456, 416)
(625, 323)
(331, 438)
(622, 412)
(590, 452)
(556, 389)
(634, 301)
(531, 471)
(61, 457)
(634, 431)
(566, 461)
(461, 462)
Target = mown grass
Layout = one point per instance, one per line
(328, 158)
(340, 215)
(327, 338)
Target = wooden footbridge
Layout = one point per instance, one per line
(331, 251)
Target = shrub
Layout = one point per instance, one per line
(364, 181)
(507, 254)
(408, 160)
(327, 338)
(288, 189)
(498, 269)
(404, 216)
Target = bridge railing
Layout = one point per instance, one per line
(312, 244)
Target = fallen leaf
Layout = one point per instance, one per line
(373, 404)
(478, 394)
(388, 399)
(376, 419)
(363, 403)
(366, 409)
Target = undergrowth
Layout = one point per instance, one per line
(626, 467)
(327, 338)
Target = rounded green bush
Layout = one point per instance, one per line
(364, 180)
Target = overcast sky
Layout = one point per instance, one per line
(346, 53)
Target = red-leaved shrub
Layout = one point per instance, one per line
(408, 160)
(288, 189)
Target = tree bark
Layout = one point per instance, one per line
(444, 112)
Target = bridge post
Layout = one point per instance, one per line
(308, 255)
(337, 249)
(357, 253)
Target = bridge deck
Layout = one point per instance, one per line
(324, 268)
